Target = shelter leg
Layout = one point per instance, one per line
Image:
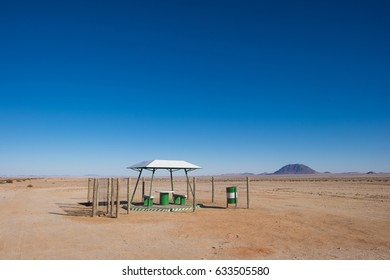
(128, 195)
(188, 184)
(170, 170)
(143, 188)
(135, 188)
(151, 184)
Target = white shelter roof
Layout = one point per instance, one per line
(164, 164)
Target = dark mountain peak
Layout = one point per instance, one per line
(295, 169)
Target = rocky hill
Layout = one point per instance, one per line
(295, 169)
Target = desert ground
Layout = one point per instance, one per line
(290, 217)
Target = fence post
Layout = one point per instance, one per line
(94, 198)
(128, 195)
(89, 186)
(95, 202)
(194, 196)
(108, 196)
(247, 192)
(188, 189)
(212, 189)
(117, 198)
(112, 196)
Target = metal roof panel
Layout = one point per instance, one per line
(164, 164)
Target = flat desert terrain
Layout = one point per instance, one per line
(296, 217)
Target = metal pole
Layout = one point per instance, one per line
(143, 188)
(170, 170)
(247, 192)
(136, 185)
(117, 198)
(151, 184)
(188, 183)
(212, 189)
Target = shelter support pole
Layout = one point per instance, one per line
(117, 198)
(193, 195)
(212, 189)
(135, 188)
(143, 188)
(151, 184)
(247, 192)
(128, 194)
(170, 170)
(188, 183)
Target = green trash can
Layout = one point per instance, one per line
(148, 200)
(231, 195)
(179, 199)
(164, 198)
(176, 198)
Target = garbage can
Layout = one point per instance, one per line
(164, 198)
(231, 195)
(179, 199)
(148, 200)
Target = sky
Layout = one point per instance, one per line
(91, 87)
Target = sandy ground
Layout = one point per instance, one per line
(289, 218)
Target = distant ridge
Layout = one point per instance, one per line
(237, 174)
(295, 169)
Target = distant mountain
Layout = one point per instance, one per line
(295, 169)
(237, 174)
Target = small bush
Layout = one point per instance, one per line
(29, 186)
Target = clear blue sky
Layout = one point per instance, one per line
(90, 87)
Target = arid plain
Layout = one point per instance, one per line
(290, 217)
